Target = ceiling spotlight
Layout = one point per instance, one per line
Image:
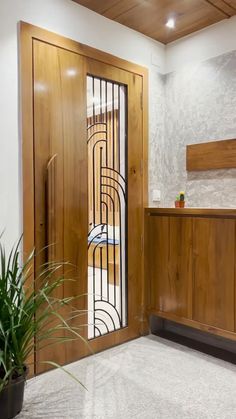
(170, 23)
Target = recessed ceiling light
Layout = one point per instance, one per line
(170, 23)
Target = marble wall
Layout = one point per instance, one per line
(195, 104)
(156, 131)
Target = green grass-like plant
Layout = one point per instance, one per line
(30, 313)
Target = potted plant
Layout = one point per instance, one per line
(27, 318)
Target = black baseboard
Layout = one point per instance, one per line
(207, 343)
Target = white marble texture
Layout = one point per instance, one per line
(148, 378)
(156, 131)
(199, 103)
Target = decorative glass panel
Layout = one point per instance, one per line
(107, 190)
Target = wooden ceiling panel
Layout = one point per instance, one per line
(120, 8)
(150, 19)
(99, 6)
(150, 16)
(228, 6)
(231, 3)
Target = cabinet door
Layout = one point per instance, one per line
(156, 259)
(170, 264)
(213, 272)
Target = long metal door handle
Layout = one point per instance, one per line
(51, 206)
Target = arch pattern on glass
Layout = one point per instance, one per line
(107, 206)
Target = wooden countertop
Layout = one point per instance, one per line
(192, 212)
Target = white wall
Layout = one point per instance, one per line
(208, 43)
(68, 19)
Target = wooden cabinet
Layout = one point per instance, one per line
(190, 258)
(213, 272)
(170, 260)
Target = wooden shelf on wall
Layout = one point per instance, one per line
(211, 155)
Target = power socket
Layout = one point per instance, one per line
(156, 195)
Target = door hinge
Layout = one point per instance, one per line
(141, 100)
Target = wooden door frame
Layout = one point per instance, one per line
(27, 34)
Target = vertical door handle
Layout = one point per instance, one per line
(51, 207)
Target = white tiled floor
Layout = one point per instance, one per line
(148, 378)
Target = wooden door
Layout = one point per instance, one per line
(213, 272)
(60, 157)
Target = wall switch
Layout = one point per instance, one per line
(156, 195)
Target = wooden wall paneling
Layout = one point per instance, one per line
(211, 155)
(213, 272)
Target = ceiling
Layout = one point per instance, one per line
(150, 16)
